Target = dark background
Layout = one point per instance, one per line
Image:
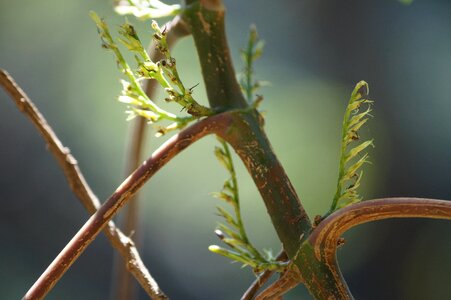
(315, 53)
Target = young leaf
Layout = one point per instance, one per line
(348, 178)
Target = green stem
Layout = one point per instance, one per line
(206, 19)
(236, 205)
(341, 168)
(248, 67)
(247, 137)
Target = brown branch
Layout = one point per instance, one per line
(288, 280)
(79, 186)
(262, 279)
(123, 193)
(123, 284)
(325, 237)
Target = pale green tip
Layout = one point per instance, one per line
(95, 17)
(361, 88)
(215, 249)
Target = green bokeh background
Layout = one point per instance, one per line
(315, 53)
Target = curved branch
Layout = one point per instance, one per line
(80, 187)
(122, 194)
(324, 238)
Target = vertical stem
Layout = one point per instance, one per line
(206, 20)
(247, 137)
(123, 285)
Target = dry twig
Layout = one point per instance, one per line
(79, 186)
(215, 124)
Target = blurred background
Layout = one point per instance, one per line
(315, 53)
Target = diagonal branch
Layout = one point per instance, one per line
(325, 237)
(262, 279)
(288, 280)
(79, 186)
(123, 285)
(123, 193)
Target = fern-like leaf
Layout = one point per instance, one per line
(349, 173)
(233, 233)
(249, 55)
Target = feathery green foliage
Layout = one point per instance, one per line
(251, 53)
(163, 71)
(233, 233)
(349, 175)
(146, 9)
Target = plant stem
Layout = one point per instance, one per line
(286, 282)
(81, 189)
(247, 137)
(123, 284)
(288, 216)
(325, 237)
(206, 21)
(123, 193)
(236, 202)
(262, 279)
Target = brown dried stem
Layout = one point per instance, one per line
(80, 188)
(123, 193)
(123, 284)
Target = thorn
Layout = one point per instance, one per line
(192, 88)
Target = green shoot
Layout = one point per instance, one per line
(251, 53)
(163, 71)
(146, 9)
(233, 233)
(179, 93)
(349, 175)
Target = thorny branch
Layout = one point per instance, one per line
(79, 186)
(122, 287)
